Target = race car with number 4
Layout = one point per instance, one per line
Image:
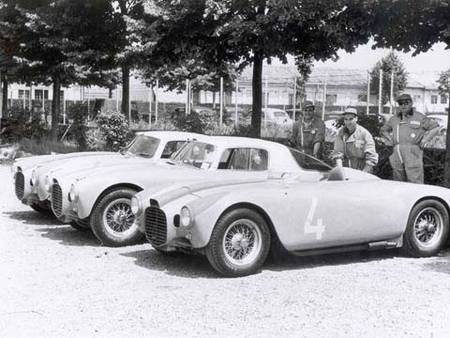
(236, 225)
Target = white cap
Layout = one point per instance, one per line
(350, 110)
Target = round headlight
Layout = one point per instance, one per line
(73, 194)
(135, 205)
(34, 178)
(185, 216)
(47, 183)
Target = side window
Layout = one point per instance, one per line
(171, 147)
(258, 159)
(225, 159)
(239, 159)
(244, 159)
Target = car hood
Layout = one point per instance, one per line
(78, 166)
(41, 160)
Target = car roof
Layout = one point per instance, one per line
(174, 134)
(239, 141)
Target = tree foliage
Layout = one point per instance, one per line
(390, 63)
(61, 42)
(247, 32)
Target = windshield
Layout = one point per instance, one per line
(308, 162)
(144, 146)
(280, 114)
(197, 154)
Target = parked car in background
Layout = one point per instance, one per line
(33, 176)
(102, 196)
(276, 123)
(235, 226)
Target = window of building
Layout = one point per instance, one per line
(444, 99)
(24, 94)
(331, 99)
(39, 92)
(434, 99)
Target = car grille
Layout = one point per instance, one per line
(20, 185)
(155, 226)
(57, 199)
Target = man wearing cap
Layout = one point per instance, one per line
(354, 145)
(408, 128)
(308, 133)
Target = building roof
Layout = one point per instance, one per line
(337, 76)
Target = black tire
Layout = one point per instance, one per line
(81, 225)
(257, 236)
(42, 207)
(101, 223)
(427, 229)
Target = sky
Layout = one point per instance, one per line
(436, 59)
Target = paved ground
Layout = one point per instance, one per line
(57, 281)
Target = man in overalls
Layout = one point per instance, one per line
(308, 132)
(354, 146)
(408, 128)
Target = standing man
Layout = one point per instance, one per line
(308, 132)
(354, 145)
(408, 128)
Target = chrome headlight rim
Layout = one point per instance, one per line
(47, 185)
(73, 193)
(186, 216)
(136, 205)
(34, 178)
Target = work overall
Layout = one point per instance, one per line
(305, 135)
(355, 150)
(407, 158)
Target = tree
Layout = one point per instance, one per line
(63, 42)
(132, 14)
(249, 32)
(389, 63)
(409, 25)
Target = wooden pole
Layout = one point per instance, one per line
(294, 98)
(156, 100)
(236, 104)
(368, 94)
(380, 93)
(221, 102)
(392, 93)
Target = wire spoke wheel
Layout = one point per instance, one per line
(428, 227)
(118, 218)
(242, 242)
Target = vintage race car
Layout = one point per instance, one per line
(103, 196)
(235, 226)
(32, 176)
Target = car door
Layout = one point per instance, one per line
(336, 213)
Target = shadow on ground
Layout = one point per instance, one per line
(183, 265)
(67, 235)
(32, 217)
(176, 264)
(440, 264)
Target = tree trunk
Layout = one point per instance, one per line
(257, 95)
(447, 152)
(4, 81)
(55, 107)
(126, 91)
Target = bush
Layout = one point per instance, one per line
(45, 146)
(21, 123)
(77, 132)
(114, 130)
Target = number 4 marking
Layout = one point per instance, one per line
(318, 229)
